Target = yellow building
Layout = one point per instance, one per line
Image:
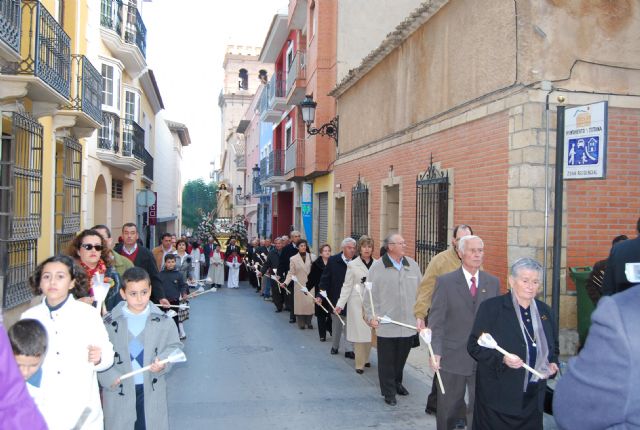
(78, 107)
(120, 157)
(49, 104)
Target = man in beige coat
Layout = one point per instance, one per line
(395, 280)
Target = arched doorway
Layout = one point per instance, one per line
(100, 202)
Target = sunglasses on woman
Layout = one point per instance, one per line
(89, 247)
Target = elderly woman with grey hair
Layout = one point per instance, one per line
(507, 395)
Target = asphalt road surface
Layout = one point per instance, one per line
(248, 368)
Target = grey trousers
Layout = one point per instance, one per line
(450, 404)
(338, 332)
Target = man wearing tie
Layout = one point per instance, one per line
(455, 302)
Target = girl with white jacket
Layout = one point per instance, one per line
(79, 346)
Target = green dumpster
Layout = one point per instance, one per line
(585, 305)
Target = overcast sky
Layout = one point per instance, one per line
(186, 42)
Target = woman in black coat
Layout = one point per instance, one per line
(507, 396)
(324, 319)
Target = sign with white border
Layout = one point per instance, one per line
(585, 141)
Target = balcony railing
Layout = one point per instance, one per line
(10, 24)
(132, 140)
(257, 188)
(264, 168)
(297, 70)
(135, 32)
(46, 52)
(87, 91)
(294, 158)
(109, 136)
(276, 163)
(274, 89)
(148, 165)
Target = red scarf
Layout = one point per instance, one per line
(100, 268)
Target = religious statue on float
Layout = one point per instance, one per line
(225, 205)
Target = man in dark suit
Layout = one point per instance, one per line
(456, 300)
(272, 262)
(331, 281)
(600, 388)
(251, 258)
(262, 251)
(143, 258)
(208, 251)
(231, 248)
(288, 250)
(624, 252)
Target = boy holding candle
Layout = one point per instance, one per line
(142, 335)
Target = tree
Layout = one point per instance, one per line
(198, 198)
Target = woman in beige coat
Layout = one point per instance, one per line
(300, 266)
(353, 293)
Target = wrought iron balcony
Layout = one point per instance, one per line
(109, 137)
(44, 50)
(135, 32)
(296, 83)
(126, 34)
(257, 189)
(87, 89)
(272, 100)
(126, 154)
(276, 162)
(272, 168)
(264, 167)
(148, 165)
(132, 140)
(10, 25)
(294, 159)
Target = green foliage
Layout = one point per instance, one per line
(198, 199)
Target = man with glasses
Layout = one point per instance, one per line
(456, 300)
(331, 281)
(441, 263)
(394, 278)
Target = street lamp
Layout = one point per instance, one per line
(239, 196)
(308, 107)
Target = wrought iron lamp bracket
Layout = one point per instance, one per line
(329, 129)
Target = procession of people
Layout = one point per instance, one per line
(108, 325)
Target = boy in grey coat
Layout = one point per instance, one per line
(141, 335)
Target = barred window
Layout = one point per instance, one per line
(68, 190)
(116, 188)
(432, 211)
(20, 205)
(359, 210)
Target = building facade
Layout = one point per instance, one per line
(49, 106)
(80, 130)
(441, 127)
(244, 75)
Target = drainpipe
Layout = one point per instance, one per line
(546, 86)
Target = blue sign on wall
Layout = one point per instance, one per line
(306, 207)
